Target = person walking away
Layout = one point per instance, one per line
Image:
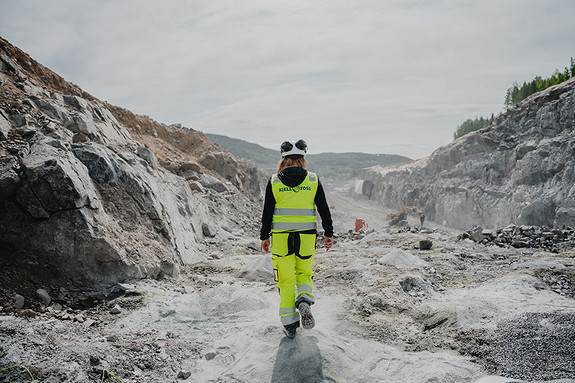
(289, 216)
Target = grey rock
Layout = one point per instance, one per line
(10, 65)
(515, 347)
(171, 269)
(487, 233)
(77, 102)
(208, 230)
(431, 319)
(57, 180)
(224, 163)
(147, 155)
(5, 127)
(260, 269)
(213, 183)
(520, 244)
(44, 296)
(80, 137)
(116, 309)
(83, 124)
(425, 244)
(476, 236)
(26, 131)
(21, 120)
(55, 111)
(195, 185)
(95, 360)
(413, 283)
(184, 374)
(128, 287)
(19, 301)
(102, 164)
(9, 181)
(190, 166)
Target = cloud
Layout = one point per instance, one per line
(367, 75)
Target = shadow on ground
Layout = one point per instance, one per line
(298, 360)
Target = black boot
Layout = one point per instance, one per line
(290, 329)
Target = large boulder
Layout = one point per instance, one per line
(241, 173)
(90, 214)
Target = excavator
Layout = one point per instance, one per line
(400, 219)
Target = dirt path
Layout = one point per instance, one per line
(346, 207)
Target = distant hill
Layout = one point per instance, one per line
(329, 165)
(344, 165)
(263, 157)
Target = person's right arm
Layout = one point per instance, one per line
(268, 213)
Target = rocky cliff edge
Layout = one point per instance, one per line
(520, 169)
(91, 193)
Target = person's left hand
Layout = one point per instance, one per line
(265, 246)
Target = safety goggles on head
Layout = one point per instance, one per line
(287, 148)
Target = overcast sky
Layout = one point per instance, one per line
(374, 76)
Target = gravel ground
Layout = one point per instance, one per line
(386, 312)
(535, 346)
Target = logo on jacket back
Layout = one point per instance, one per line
(295, 189)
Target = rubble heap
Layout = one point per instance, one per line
(523, 236)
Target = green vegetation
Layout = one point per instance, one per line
(328, 165)
(471, 126)
(518, 93)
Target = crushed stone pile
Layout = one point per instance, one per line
(535, 346)
(524, 236)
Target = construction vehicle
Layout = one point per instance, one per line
(400, 219)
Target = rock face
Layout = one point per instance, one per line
(90, 193)
(518, 170)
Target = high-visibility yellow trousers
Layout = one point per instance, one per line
(292, 256)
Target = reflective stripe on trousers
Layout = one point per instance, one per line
(288, 315)
(304, 294)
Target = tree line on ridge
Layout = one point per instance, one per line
(516, 94)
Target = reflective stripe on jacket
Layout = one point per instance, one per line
(295, 208)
